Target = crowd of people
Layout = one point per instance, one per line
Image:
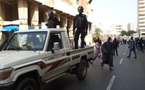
(140, 44)
(137, 43)
(108, 49)
(105, 51)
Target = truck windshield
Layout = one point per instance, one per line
(27, 41)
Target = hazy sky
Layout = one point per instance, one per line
(109, 12)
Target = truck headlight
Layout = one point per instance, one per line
(5, 73)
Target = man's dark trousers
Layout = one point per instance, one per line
(134, 51)
(76, 38)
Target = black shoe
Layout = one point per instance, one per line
(102, 64)
(111, 68)
(127, 57)
(135, 57)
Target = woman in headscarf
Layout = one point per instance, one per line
(97, 49)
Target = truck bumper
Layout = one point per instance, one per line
(8, 86)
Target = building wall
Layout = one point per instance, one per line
(31, 13)
(141, 17)
(117, 28)
(131, 26)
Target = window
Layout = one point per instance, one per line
(54, 37)
(27, 41)
(77, 1)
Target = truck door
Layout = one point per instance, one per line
(58, 62)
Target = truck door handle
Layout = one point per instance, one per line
(50, 58)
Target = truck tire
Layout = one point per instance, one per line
(81, 70)
(27, 84)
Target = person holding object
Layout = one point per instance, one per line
(52, 21)
(80, 26)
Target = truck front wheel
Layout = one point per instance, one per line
(81, 70)
(27, 84)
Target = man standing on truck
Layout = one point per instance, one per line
(52, 21)
(81, 23)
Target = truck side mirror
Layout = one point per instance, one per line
(56, 47)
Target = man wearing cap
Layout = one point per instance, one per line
(80, 26)
(52, 21)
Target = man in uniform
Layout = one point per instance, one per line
(52, 21)
(81, 24)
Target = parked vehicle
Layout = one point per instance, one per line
(34, 57)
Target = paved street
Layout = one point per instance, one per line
(128, 74)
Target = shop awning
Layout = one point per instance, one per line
(10, 28)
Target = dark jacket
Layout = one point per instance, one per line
(80, 22)
(115, 44)
(132, 44)
(107, 48)
(107, 51)
(52, 22)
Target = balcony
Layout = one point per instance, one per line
(142, 17)
(142, 9)
(141, 12)
(141, 5)
(143, 20)
(141, 2)
(141, 28)
(141, 25)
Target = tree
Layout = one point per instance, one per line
(97, 33)
(130, 32)
(123, 32)
(127, 33)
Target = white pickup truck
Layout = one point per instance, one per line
(34, 57)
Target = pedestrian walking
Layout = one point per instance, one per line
(132, 48)
(138, 44)
(99, 40)
(81, 24)
(52, 21)
(141, 44)
(97, 50)
(115, 46)
(107, 51)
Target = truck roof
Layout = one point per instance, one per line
(33, 30)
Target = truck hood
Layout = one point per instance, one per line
(9, 57)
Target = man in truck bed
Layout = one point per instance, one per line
(81, 23)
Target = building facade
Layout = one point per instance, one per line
(117, 28)
(28, 14)
(141, 18)
(131, 26)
